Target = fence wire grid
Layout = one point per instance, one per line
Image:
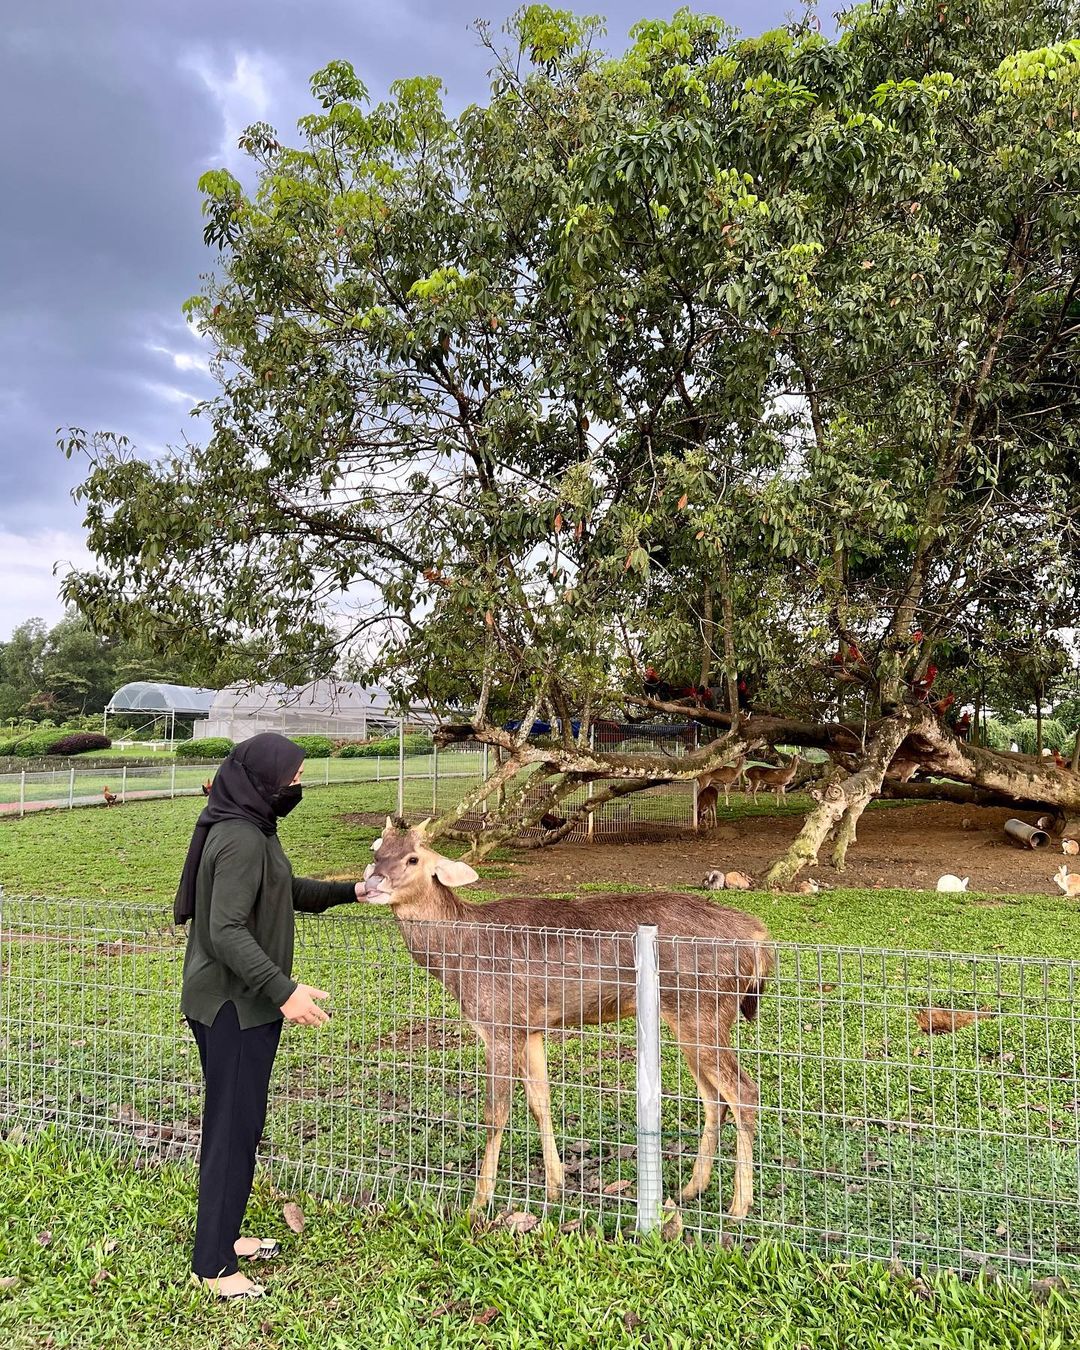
(418, 785)
(914, 1106)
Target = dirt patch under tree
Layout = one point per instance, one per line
(907, 847)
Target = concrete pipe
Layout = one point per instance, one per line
(1028, 836)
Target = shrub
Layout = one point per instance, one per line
(79, 742)
(37, 745)
(1055, 735)
(997, 734)
(416, 743)
(314, 747)
(210, 747)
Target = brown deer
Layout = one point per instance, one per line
(706, 806)
(519, 968)
(763, 777)
(724, 778)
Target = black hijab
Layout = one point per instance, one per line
(246, 788)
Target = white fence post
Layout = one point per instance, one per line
(378, 768)
(326, 766)
(401, 767)
(123, 785)
(650, 1183)
(172, 780)
(22, 793)
(434, 779)
(696, 821)
(71, 789)
(484, 776)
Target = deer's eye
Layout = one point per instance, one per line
(413, 861)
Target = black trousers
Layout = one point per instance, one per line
(236, 1069)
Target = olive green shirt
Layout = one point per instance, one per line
(240, 942)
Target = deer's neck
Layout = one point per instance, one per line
(436, 903)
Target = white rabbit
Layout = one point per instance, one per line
(950, 883)
(1068, 882)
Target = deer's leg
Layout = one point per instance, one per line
(538, 1095)
(740, 1092)
(698, 1052)
(501, 1060)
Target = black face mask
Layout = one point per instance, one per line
(284, 801)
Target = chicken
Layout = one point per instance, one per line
(922, 685)
(550, 821)
(942, 706)
(847, 664)
(206, 787)
(1059, 759)
(963, 726)
(110, 797)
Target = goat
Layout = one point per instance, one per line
(724, 778)
(765, 776)
(519, 968)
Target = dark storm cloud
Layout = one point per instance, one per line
(112, 110)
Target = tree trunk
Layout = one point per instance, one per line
(1038, 721)
(708, 636)
(842, 803)
(727, 609)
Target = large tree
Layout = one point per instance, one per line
(727, 354)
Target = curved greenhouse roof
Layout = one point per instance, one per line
(327, 707)
(145, 696)
(327, 699)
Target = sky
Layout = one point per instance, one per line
(113, 110)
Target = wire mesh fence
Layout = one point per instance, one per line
(922, 1107)
(417, 785)
(410, 777)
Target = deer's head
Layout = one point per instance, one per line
(404, 866)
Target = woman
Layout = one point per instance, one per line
(238, 891)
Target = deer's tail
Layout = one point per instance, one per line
(759, 959)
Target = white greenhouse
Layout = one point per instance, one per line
(326, 707)
(149, 701)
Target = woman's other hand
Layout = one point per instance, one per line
(301, 1009)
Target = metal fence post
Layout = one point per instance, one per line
(71, 789)
(590, 824)
(326, 766)
(434, 779)
(22, 793)
(401, 767)
(484, 776)
(650, 1182)
(172, 780)
(378, 767)
(123, 785)
(695, 786)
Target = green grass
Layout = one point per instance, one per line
(114, 1269)
(835, 1043)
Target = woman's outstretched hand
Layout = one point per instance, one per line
(301, 1009)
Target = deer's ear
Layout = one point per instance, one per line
(454, 874)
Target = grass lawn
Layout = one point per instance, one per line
(835, 1044)
(111, 1274)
